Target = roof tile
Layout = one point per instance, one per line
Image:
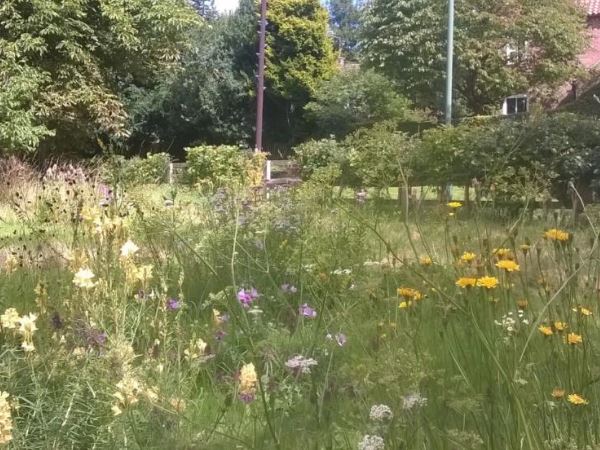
(592, 7)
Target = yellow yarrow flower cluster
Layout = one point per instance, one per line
(555, 234)
(6, 425)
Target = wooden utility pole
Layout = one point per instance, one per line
(260, 85)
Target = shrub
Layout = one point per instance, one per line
(316, 154)
(377, 155)
(224, 165)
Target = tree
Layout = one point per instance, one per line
(66, 65)
(355, 99)
(299, 56)
(208, 101)
(206, 8)
(502, 48)
(344, 21)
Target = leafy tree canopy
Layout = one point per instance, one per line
(66, 63)
(406, 39)
(354, 99)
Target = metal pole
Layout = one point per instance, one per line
(449, 62)
(260, 89)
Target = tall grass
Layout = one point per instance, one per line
(154, 348)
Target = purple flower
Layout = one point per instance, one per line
(289, 288)
(307, 311)
(173, 304)
(95, 337)
(247, 296)
(247, 398)
(220, 335)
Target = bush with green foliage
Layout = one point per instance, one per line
(377, 156)
(224, 165)
(548, 150)
(355, 99)
(313, 155)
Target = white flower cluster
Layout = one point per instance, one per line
(510, 323)
(301, 364)
(371, 442)
(415, 400)
(381, 413)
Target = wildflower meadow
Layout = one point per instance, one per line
(178, 317)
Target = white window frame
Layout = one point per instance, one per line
(505, 109)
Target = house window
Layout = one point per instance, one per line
(516, 54)
(515, 104)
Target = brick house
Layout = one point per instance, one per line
(589, 60)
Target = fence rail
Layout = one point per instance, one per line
(277, 169)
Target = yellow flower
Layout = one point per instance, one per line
(584, 311)
(409, 293)
(425, 261)
(525, 247)
(178, 404)
(577, 399)
(574, 339)
(144, 273)
(84, 278)
(560, 326)
(11, 263)
(467, 257)
(455, 205)
(10, 318)
(545, 330)
(128, 391)
(487, 282)
(503, 253)
(558, 393)
(557, 235)
(508, 265)
(465, 282)
(405, 304)
(6, 425)
(522, 303)
(248, 380)
(196, 350)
